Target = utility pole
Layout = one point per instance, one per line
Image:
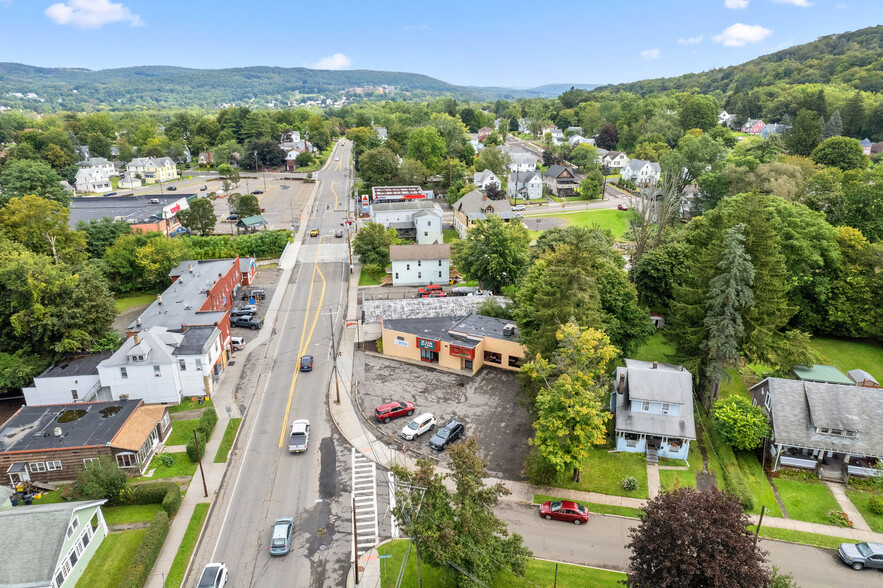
(759, 523)
(199, 460)
(355, 543)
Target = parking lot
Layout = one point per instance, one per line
(282, 201)
(488, 405)
(266, 280)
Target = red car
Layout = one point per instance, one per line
(392, 410)
(622, 207)
(431, 289)
(564, 510)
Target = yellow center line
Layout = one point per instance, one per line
(335, 194)
(304, 345)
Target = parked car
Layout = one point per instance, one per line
(203, 188)
(244, 310)
(392, 410)
(517, 215)
(862, 555)
(306, 363)
(171, 188)
(257, 192)
(422, 291)
(435, 294)
(233, 217)
(256, 294)
(250, 321)
(446, 435)
(418, 426)
(299, 437)
(519, 208)
(338, 234)
(314, 233)
(564, 510)
(280, 538)
(237, 343)
(622, 207)
(214, 575)
(111, 194)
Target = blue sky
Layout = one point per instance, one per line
(516, 43)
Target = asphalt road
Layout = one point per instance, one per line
(264, 481)
(601, 543)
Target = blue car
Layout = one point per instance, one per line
(280, 540)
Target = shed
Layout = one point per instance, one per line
(251, 223)
(821, 373)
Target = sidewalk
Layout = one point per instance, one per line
(226, 406)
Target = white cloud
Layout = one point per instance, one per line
(650, 54)
(415, 27)
(691, 40)
(736, 4)
(91, 14)
(336, 61)
(801, 3)
(739, 35)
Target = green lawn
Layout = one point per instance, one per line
(227, 441)
(191, 404)
(181, 467)
(617, 221)
(188, 543)
(110, 562)
(182, 432)
(758, 483)
(124, 303)
(137, 513)
(50, 497)
(450, 235)
(733, 386)
(860, 500)
(539, 573)
(845, 355)
(655, 349)
(369, 279)
(806, 501)
(624, 511)
(671, 479)
(603, 472)
(801, 537)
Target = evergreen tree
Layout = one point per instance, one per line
(804, 134)
(728, 297)
(854, 116)
(834, 126)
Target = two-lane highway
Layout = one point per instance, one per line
(265, 482)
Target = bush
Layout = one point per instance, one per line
(839, 518)
(538, 470)
(379, 345)
(207, 421)
(741, 424)
(191, 447)
(793, 474)
(875, 503)
(629, 484)
(166, 493)
(734, 479)
(166, 460)
(171, 502)
(145, 556)
(100, 479)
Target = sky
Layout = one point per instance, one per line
(511, 44)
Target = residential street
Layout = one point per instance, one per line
(264, 481)
(601, 543)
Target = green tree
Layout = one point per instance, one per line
(457, 532)
(804, 134)
(248, 205)
(741, 424)
(854, 116)
(199, 217)
(729, 296)
(852, 309)
(378, 166)
(364, 139)
(42, 226)
(100, 479)
(17, 370)
(592, 186)
(657, 273)
(142, 262)
(36, 178)
(494, 160)
(584, 156)
(698, 112)
(570, 408)
(425, 144)
(841, 152)
(452, 130)
(494, 253)
(304, 159)
(834, 126)
(412, 173)
(371, 245)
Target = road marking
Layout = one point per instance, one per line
(304, 345)
(335, 194)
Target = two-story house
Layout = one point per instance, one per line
(652, 405)
(642, 173)
(428, 228)
(753, 126)
(521, 161)
(419, 265)
(107, 167)
(561, 180)
(476, 206)
(92, 180)
(614, 159)
(485, 178)
(527, 185)
(153, 169)
(401, 216)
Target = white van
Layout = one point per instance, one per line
(237, 343)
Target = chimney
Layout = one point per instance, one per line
(655, 364)
(159, 299)
(484, 196)
(621, 388)
(138, 321)
(190, 268)
(137, 338)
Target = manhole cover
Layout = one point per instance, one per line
(323, 547)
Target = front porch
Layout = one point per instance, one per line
(828, 465)
(653, 446)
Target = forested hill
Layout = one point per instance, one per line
(853, 58)
(178, 87)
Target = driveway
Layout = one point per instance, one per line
(488, 404)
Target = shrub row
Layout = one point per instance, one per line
(204, 429)
(734, 479)
(166, 493)
(145, 556)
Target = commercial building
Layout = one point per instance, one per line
(144, 213)
(459, 343)
(405, 217)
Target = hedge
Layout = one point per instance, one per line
(145, 556)
(166, 493)
(207, 421)
(171, 502)
(734, 479)
(191, 447)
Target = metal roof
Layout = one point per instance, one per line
(821, 373)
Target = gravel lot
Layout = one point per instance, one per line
(487, 404)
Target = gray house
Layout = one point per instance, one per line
(49, 545)
(833, 429)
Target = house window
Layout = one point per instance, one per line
(123, 373)
(766, 400)
(74, 395)
(439, 263)
(439, 274)
(73, 557)
(407, 266)
(156, 371)
(666, 408)
(425, 233)
(88, 460)
(59, 578)
(419, 275)
(836, 431)
(86, 538)
(419, 263)
(198, 364)
(53, 465)
(73, 527)
(37, 466)
(126, 460)
(850, 433)
(164, 423)
(824, 431)
(182, 365)
(397, 275)
(645, 406)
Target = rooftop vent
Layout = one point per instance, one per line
(159, 299)
(57, 431)
(509, 330)
(190, 268)
(137, 339)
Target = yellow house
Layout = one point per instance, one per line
(153, 169)
(456, 343)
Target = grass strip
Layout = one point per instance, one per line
(188, 544)
(227, 442)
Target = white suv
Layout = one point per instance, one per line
(519, 208)
(418, 426)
